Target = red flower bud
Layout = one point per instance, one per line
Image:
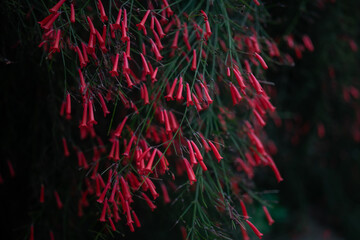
(120, 127)
(103, 212)
(56, 8)
(243, 209)
(91, 26)
(141, 25)
(58, 201)
(193, 64)
(103, 16)
(72, 13)
(215, 151)
(66, 150)
(255, 230)
(189, 171)
(188, 96)
(268, 216)
(114, 71)
(261, 60)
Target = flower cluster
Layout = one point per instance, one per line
(164, 81)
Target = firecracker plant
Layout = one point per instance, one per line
(164, 102)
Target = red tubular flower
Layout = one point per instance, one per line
(103, 34)
(31, 232)
(126, 68)
(66, 150)
(49, 24)
(188, 96)
(208, 30)
(152, 23)
(103, 16)
(247, 66)
(215, 151)
(243, 209)
(208, 98)
(68, 106)
(124, 36)
(255, 83)
(91, 113)
(117, 150)
(72, 13)
(191, 152)
(308, 43)
(167, 8)
(120, 127)
(193, 64)
(228, 73)
(128, 50)
(158, 41)
(156, 51)
(55, 47)
(141, 25)
(136, 219)
(103, 104)
(175, 41)
(153, 75)
(103, 212)
(101, 41)
(114, 189)
(259, 118)
(239, 78)
(204, 143)
(125, 190)
(81, 58)
(112, 151)
(152, 188)
(146, 95)
(159, 28)
(167, 123)
(148, 201)
(268, 216)
(83, 123)
(91, 44)
(261, 60)
(165, 193)
(56, 8)
(255, 230)
(257, 2)
(42, 193)
(117, 23)
(84, 52)
(45, 20)
(51, 234)
(128, 147)
(173, 122)
(197, 151)
(275, 169)
(145, 65)
(128, 80)
(186, 37)
(189, 171)
(235, 95)
(244, 233)
(114, 71)
(203, 166)
(91, 26)
(103, 194)
(112, 224)
(179, 96)
(196, 102)
(58, 201)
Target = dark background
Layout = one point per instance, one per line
(319, 198)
